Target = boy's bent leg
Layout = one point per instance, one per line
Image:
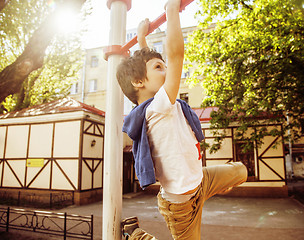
(219, 178)
(183, 219)
(140, 234)
(131, 230)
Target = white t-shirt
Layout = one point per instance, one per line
(173, 145)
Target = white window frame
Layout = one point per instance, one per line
(74, 88)
(93, 85)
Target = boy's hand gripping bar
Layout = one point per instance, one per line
(124, 50)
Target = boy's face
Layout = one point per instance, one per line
(156, 75)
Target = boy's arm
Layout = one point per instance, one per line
(142, 31)
(174, 50)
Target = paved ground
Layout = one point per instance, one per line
(223, 218)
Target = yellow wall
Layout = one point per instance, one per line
(17, 138)
(66, 142)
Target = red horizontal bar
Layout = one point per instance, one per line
(153, 25)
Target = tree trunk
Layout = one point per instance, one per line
(12, 77)
(3, 3)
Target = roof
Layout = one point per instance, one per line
(204, 113)
(297, 149)
(59, 106)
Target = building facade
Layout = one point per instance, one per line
(91, 87)
(92, 84)
(52, 150)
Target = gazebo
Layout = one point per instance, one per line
(52, 149)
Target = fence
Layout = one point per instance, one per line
(60, 224)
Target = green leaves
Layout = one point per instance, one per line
(251, 62)
(62, 59)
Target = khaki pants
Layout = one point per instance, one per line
(184, 219)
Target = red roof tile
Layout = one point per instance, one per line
(59, 106)
(204, 113)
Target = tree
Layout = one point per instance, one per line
(38, 62)
(250, 64)
(3, 3)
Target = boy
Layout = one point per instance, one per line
(166, 135)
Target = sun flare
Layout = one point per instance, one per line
(66, 19)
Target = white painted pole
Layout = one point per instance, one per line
(113, 154)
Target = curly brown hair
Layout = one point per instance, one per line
(133, 69)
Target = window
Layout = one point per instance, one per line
(247, 158)
(186, 40)
(74, 88)
(94, 61)
(93, 85)
(158, 46)
(185, 74)
(185, 97)
(130, 35)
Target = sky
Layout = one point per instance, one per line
(99, 21)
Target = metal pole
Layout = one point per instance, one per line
(7, 218)
(289, 160)
(65, 226)
(112, 187)
(83, 78)
(92, 225)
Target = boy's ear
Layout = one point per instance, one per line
(138, 84)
